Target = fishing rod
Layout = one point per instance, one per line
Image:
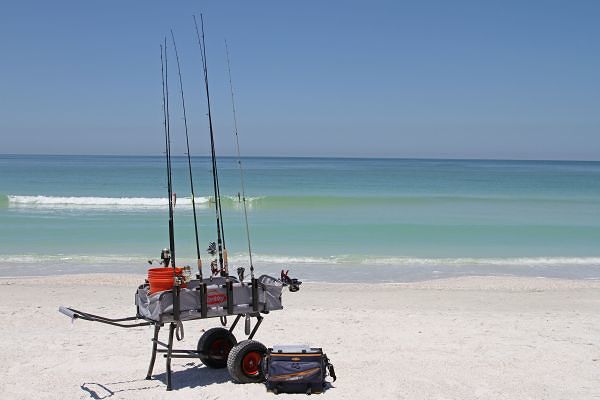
(214, 154)
(237, 143)
(176, 326)
(187, 142)
(225, 265)
(222, 251)
(165, 87)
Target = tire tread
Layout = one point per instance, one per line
(209, 336)
(234, 361)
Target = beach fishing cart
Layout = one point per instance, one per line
(217, 297)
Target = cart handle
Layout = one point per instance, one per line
(73, 314)
(67, 311)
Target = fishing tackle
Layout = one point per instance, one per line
(293, 284)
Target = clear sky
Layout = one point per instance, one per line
(457, 79)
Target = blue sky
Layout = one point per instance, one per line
(460, 79)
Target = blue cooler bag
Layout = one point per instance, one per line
(296, 369)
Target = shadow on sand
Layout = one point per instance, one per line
(191, 377)
(194, 377)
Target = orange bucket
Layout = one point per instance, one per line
(163, 272)
(161, 279)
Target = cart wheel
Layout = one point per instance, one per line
(245, 362)
(214, 347)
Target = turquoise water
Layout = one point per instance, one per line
(337, 218)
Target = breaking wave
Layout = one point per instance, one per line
(110, 203)
(365, 260)
(362, 261)
(124, 203)
(76, 202)
(500, 261)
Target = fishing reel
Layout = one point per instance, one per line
(212, 248)
(165, 256)
(240, 272)
(293, 284)
(214, 268)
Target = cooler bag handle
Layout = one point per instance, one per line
(329, 367)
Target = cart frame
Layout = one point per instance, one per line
(175, 322)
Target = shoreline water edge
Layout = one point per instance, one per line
(384, 271)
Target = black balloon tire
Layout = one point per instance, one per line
(207, 341)
(240, 353)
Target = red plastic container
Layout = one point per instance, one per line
(161, 279)
(166, 272)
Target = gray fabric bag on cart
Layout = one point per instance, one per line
(296, 369)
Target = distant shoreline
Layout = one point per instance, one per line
(309, 157)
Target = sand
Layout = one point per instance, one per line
(463, 338)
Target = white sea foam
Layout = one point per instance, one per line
(99, 202)
(500, 261)
(114, 259)
(354, 260)
(114, 203)
(366, 260)
(280, 259)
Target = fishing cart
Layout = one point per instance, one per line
(199, 299)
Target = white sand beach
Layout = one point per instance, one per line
(463, 338)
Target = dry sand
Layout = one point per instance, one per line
(464, 338)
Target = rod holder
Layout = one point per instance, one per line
(203, 299)
(229, 286)
(254, 294)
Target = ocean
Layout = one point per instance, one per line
(324, 219)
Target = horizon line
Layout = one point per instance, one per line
(310, 157)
